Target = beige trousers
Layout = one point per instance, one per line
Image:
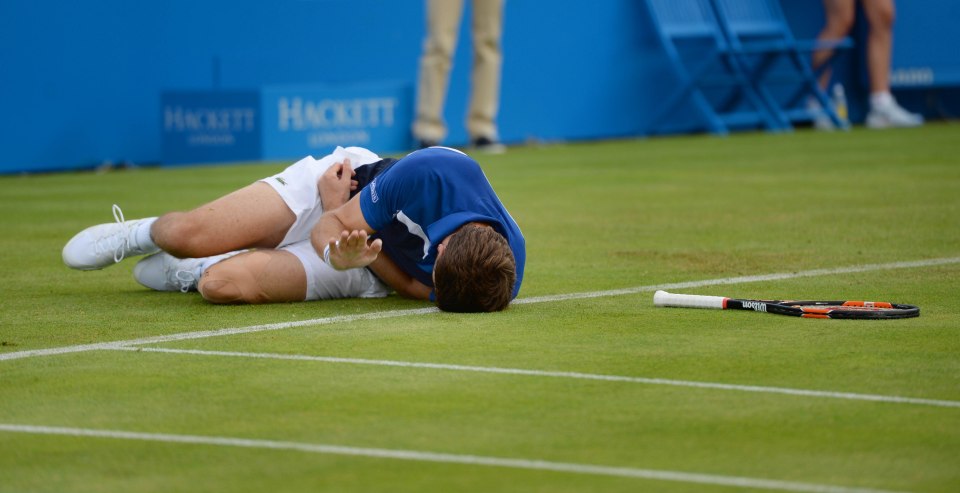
(443, 25)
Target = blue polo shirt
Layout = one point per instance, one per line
(423, 198)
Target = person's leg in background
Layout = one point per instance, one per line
(487, 29)
(840, 15)
(884, 110)
(443, 24)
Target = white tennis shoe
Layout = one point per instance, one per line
(105, 244)
(821, 120)
(164, 272)
(892, 115)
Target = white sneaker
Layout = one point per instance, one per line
(821, 120)
(105, 244)
(164, 272)
(891, 115)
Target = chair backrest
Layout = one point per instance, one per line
(753, 18)
(685, 18)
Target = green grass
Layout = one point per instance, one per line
(596, 216)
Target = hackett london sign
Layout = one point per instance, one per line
(202, 127)
(284, 122)
(315, 119)
(298, 114)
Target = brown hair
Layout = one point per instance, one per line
(476, 272)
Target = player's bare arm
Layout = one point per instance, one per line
(345, 232)
(401, 282)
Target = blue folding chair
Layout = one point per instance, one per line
(708, 73)
(776, 63)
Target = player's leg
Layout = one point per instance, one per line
(103, 245)
(293, 273)
(262, 276)
(253, 217)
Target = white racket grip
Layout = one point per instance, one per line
(663, 298)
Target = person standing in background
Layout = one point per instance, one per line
(840, 15)
(443, 25)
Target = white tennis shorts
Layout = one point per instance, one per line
(297, 185)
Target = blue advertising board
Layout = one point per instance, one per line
(555, 87)
(925, 47)
(301, 120)
(210, 126)
(284, 122)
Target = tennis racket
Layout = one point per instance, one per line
(806, 309)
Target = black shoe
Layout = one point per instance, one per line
(490, 146)
(423, 143)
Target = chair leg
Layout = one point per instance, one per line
(756, 72)
(689, 89)
(760, 98)
(810, 80)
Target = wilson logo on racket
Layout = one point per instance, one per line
(805, 309)
(757, 306)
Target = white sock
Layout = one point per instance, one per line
(208, 262)
(142, 234)
(882, 99)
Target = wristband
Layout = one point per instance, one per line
(326, 253)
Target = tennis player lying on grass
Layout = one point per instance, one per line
(428, 226)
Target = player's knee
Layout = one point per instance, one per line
(180, 234)
(884, 19)
(220, 291)
(225, 283)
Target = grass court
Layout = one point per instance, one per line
(582, 385)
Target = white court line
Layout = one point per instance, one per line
(471, 460)
(215, 333)
(563, 374)
(743, 280)
(418, 311)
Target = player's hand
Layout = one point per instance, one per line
(352, 250)
(335, 185)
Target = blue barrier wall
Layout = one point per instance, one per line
(80, 81)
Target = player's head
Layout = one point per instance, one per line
(475, 271)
